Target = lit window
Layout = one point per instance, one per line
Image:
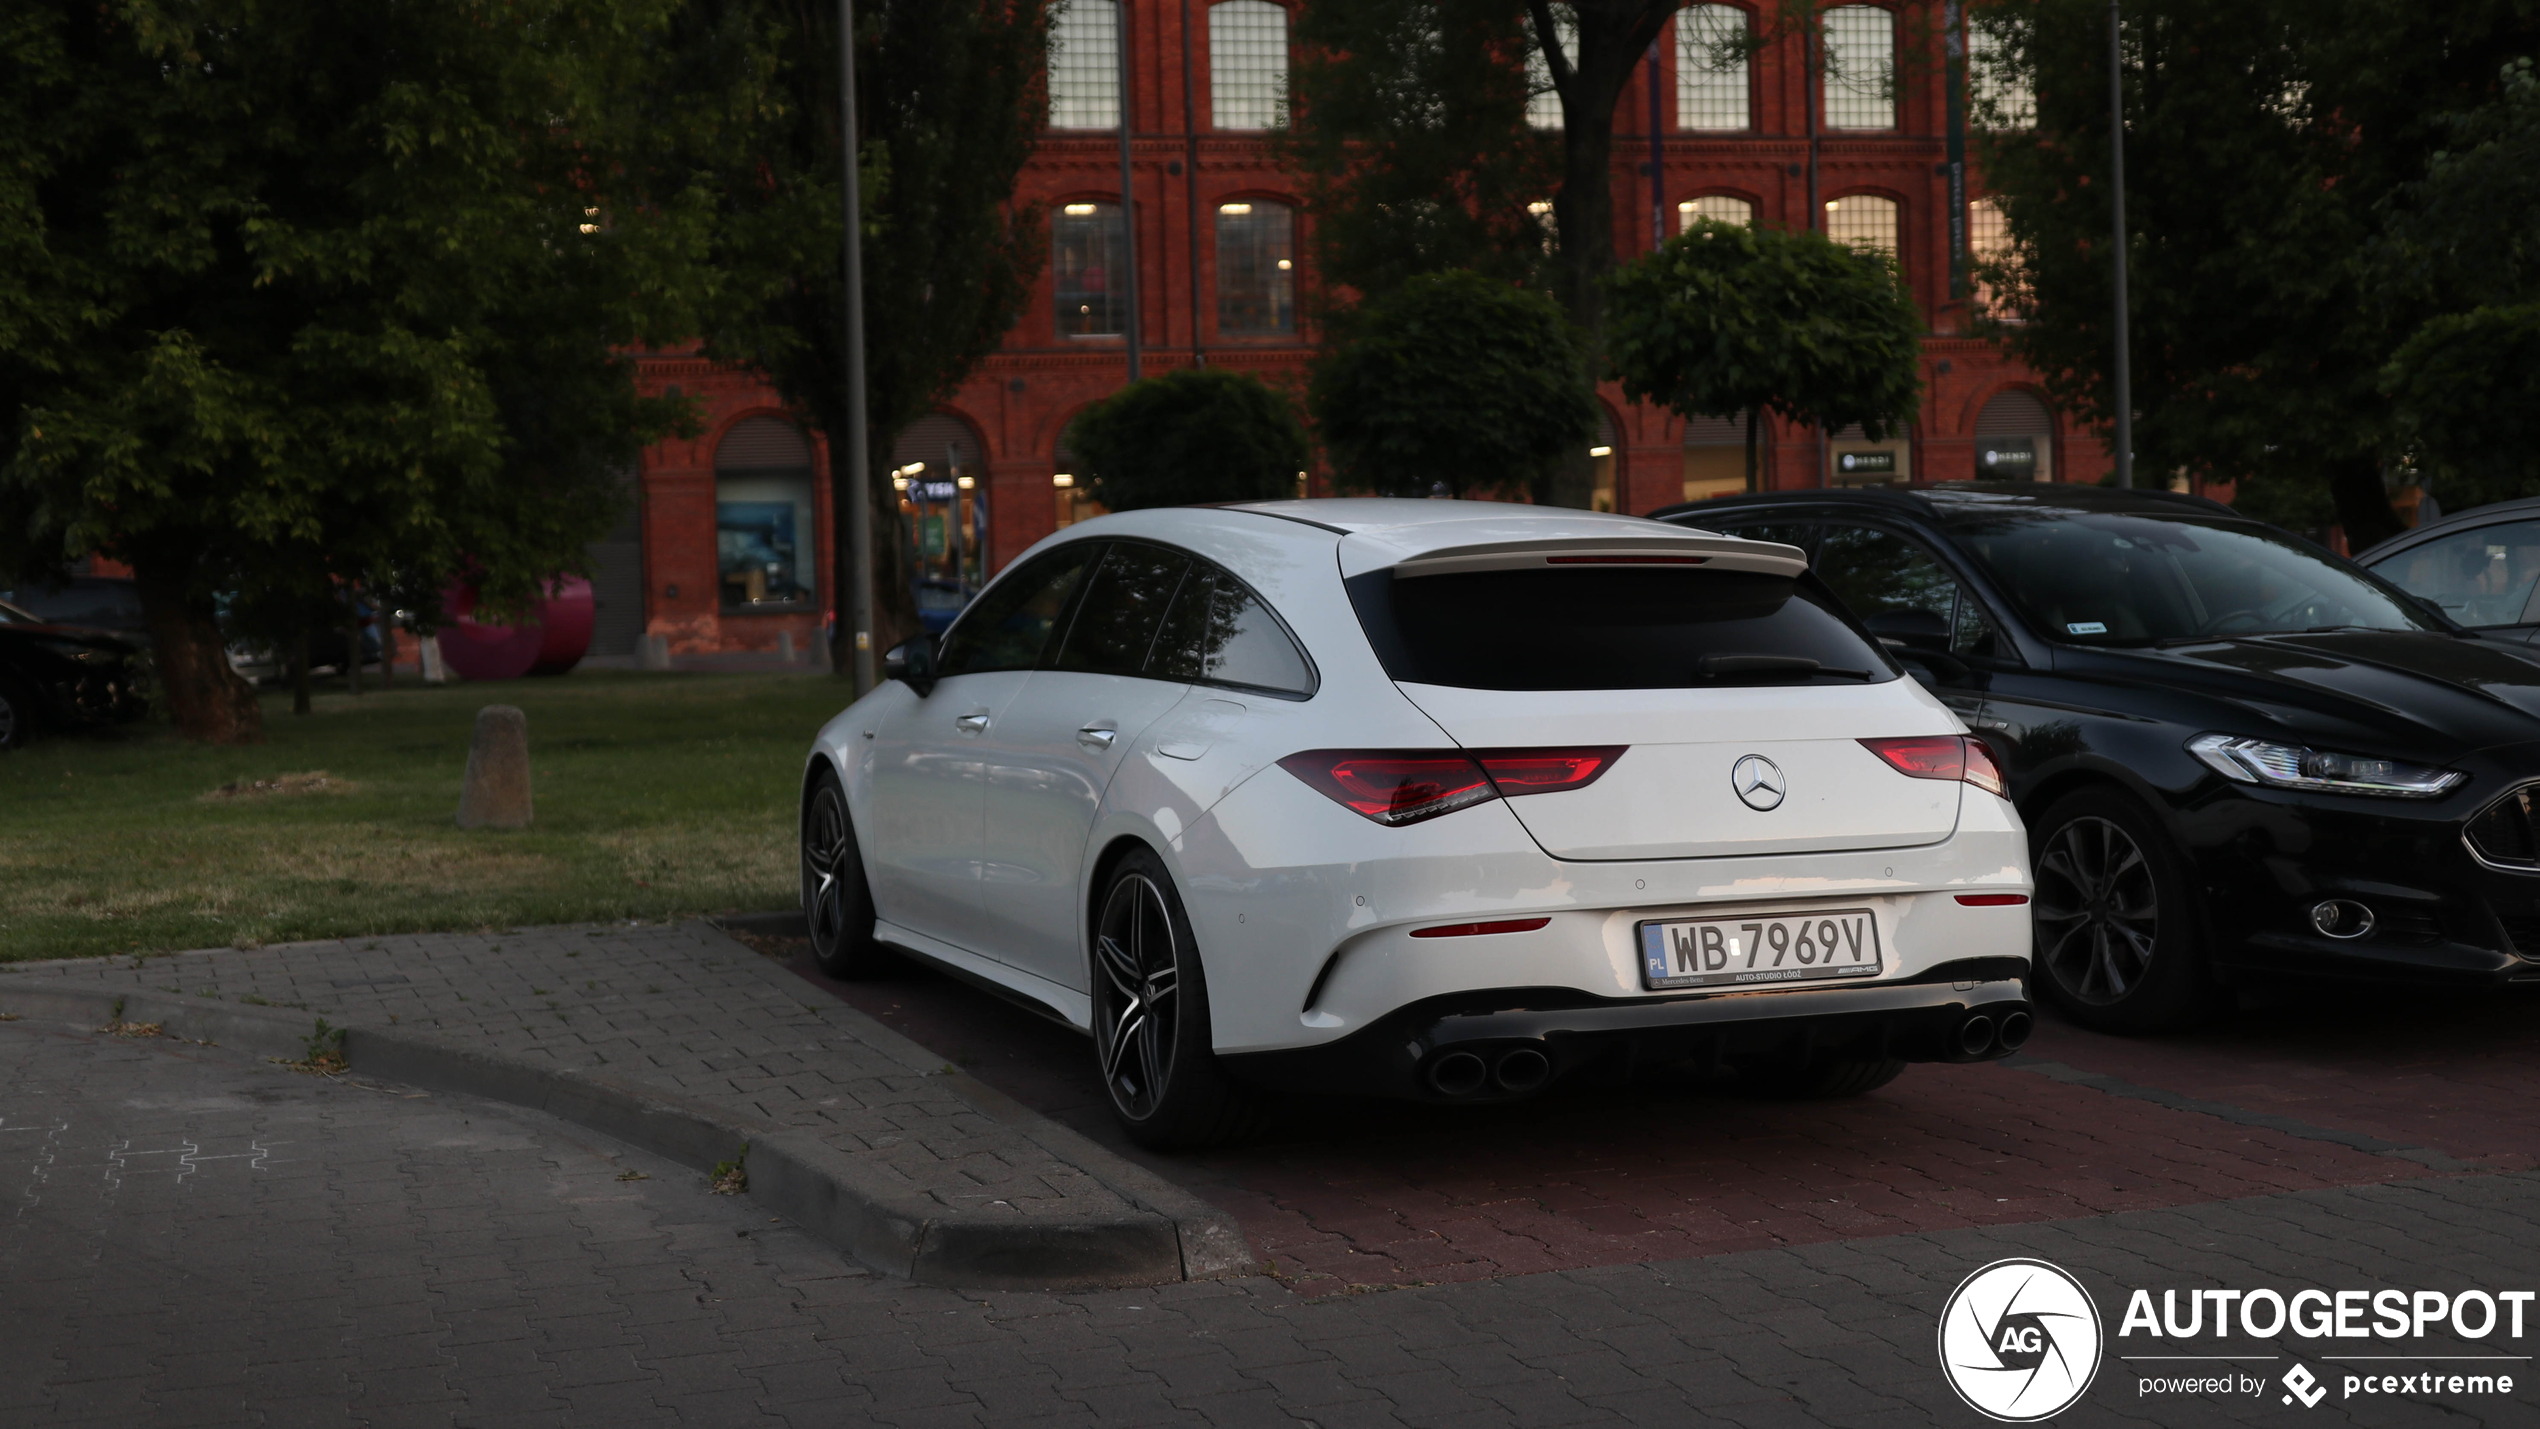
(1543, 106)
(1247, 64)
(1860, 68)
(1989, 246)
(1998, 95)
(1711, 59)
(1719, 208)
(763, 528)
(1087, 245)
(1865, 221)
(1085, 65)
(1256, 272)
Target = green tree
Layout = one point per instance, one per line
(293, 293)
(2264, 141)
(1410, 117)
(1192, 435)
(1725, 319)
(1453, 380)
(950, 100)
(2465, 386)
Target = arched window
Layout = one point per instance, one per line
(1711, 60)
(1256, 267)
(1715, 455)
(1719, 208)
(1543, 108)
(1998, 95)
(1860, 68)
(1989, 246)
(2015, 439)
(1085, 65)
(763, 532)
(1087, 249)
(1865, 221)
(938, 469)
(1247, 64)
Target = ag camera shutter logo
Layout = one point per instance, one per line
(2019, 1341)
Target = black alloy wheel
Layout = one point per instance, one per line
(1150, 1016)
(837, 901)
(2116, 932)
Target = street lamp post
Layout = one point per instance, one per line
(2123, 385)
(857, 565)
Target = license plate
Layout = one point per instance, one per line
(1759, 949)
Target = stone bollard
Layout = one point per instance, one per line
(785, 646)
(656, 651)
(496, 795)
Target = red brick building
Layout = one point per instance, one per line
(731, 544)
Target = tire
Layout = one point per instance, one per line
(2118, 943)
(17, 716)
(837, 901)
(1150, 1017)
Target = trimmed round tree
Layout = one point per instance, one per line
(1190, 436)
(1452, 381)
(1724, 319)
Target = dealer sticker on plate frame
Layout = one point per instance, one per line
(1760, 949)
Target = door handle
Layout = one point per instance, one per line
(1094, 736)
(971, 723)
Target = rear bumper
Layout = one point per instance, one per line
(1524, 1038)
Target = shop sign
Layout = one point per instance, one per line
(2007, 456)
(1850, 463)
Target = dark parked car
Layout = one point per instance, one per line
(92, 602)
(2482, 567)
(62, 677)
(2239, 756)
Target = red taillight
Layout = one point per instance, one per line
(1941, 756)
(1469, 930)
(1993, 900)
(1404, 786)
(1547, 771)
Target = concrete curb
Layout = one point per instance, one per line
(1169, 1235)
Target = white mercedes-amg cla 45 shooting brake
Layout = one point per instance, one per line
(1426, 799)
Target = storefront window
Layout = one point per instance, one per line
(1718, 208)
(1256, 268)
(763, 530)
(1087, 244)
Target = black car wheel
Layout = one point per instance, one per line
(837, 901)
(1150, 1016)
(2117, 944)
(17, 716)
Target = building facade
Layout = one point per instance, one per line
(733, 525)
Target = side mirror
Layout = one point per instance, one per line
(912, 663)
(1915, 629)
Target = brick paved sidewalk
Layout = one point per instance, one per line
(685, 1013)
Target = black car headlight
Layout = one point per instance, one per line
(2293, 766)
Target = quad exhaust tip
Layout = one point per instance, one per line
(2015, 1029)
(1522, 1070)
(1975, 1035)
(1458, 1074)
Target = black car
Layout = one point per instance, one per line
(2481, 567)
(62, 677)
(2239, 756)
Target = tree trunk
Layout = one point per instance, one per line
(352, 641)
(1614, 35)
(894, 618)
(2363, 505)
(300, 671)
(207, 699)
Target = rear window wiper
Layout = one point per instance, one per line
(1714, 666)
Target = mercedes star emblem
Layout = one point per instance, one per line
(1758, 782)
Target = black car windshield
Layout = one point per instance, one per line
(2133, 579)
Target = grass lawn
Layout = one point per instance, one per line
(657, 796)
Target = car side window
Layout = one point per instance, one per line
(1009, 625)
(2480, 577)
(1116, 623)
(1787, 532)
(1902, 591)
(1221, 633)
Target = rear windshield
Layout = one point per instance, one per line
(1612, 630)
